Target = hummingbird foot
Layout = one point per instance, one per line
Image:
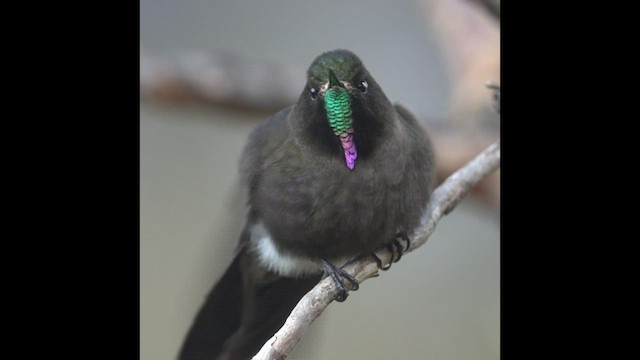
(397, 246)
(396, 249)
(339, 276)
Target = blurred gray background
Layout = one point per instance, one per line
(440, 302)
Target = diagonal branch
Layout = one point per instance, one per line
(444, 199)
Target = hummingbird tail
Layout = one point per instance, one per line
(218, 318)
(244, 309)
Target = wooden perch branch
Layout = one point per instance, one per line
(444, 199)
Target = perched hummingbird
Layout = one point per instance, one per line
(341, 173)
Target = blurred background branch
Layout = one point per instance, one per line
(219, 79)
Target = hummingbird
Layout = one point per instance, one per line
(341, 173)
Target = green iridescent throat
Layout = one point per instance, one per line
(337, 103)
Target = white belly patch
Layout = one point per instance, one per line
(278, 262)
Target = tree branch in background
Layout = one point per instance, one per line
(443, 200)
(220, 79)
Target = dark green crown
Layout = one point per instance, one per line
(344, 63)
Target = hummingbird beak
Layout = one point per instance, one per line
(333, 80)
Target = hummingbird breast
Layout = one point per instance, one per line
(327, 211)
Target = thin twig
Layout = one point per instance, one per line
(444, 199)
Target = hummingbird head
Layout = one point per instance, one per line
(342, 104)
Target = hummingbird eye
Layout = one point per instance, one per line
(314, 92)
(363, 86)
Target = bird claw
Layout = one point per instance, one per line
(339, 276)
(396, 250)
